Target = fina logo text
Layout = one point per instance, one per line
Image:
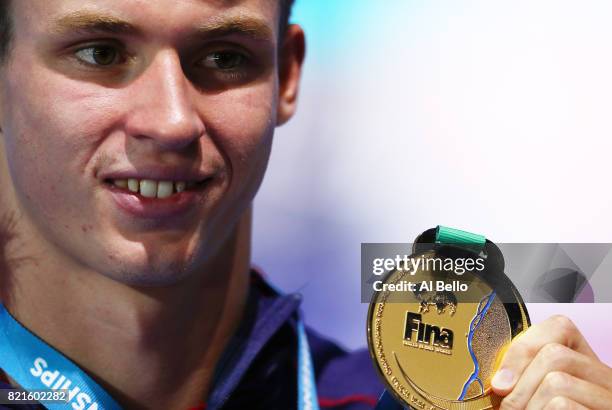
(57, 381)
(426, 336)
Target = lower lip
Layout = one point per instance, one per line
(155, 208)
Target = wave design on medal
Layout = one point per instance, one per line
(483, 307)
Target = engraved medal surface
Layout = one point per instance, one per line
(435, 345)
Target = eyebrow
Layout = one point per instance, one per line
(92, 23)
(248, 26)
(87, 22)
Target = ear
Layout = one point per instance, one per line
(291, 57)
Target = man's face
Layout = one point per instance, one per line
(176, 99)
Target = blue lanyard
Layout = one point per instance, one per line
(35, 365)
(307, 387)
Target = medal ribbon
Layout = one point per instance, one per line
(35, 365)
(307, 387)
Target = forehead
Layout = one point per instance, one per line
(159, 17)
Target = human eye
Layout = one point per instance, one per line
(224, 65)
(225, 60)
(100, 55)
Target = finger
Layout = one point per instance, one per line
(557, 384)
(563, 403)
(522, 350)
(558, 358)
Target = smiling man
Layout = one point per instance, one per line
(135, 134)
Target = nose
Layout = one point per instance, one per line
(162, 104)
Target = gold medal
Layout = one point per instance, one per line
(435, 334)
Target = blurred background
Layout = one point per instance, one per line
(489, 116)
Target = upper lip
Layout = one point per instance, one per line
(157, 173)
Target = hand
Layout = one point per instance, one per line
(551, 366)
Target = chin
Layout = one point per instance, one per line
(149, 274)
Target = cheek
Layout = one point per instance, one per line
(242, 126)
(51, 127)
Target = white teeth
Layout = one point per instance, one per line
(148, 188)
(153, 189)
(133, 185)
(121, 183)
(164, 189)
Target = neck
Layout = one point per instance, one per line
(148, 347)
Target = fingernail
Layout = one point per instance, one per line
(503, 379)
